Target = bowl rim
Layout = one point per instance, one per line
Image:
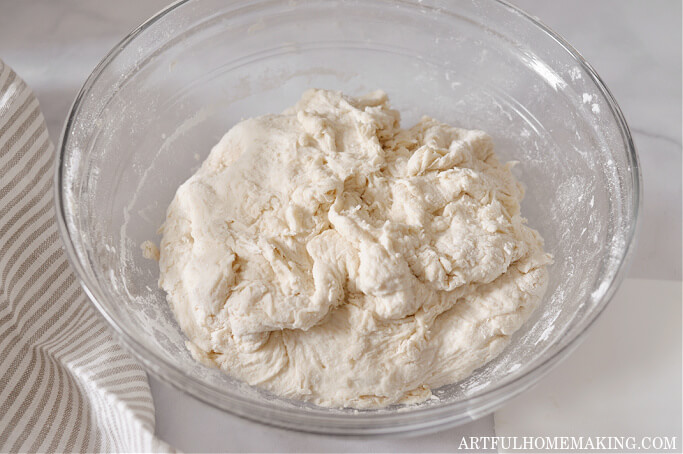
(479, 404)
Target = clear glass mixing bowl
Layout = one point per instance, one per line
(152, 110)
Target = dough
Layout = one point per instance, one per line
(150, 250)
(328, 255)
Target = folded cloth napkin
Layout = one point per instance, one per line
(65, 383)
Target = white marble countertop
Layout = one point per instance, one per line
(634, 45)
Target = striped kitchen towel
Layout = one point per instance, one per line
(65, 384)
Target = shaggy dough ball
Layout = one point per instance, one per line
(328, 255)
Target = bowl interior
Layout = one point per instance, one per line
(152, 111)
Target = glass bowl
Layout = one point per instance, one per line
(153, 108)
